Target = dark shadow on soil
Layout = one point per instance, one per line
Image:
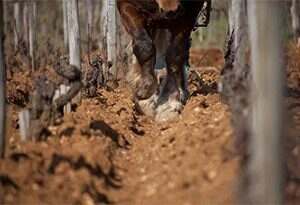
(17, 157)
(110, 178)
(105, 129)
(6, 181)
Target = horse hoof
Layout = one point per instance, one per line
(147, 107)
(146, 87)
(169, 110)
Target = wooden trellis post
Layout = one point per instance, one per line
(74, 36)
(17, 24)
(265, 175)
(2, 87)
(5, 15)
(32, 13)
(74, 33)
(90, 17)
(26, 24)
(112, 38)
(103, 25)
(295, 14)
(65, 23)
(24, 121)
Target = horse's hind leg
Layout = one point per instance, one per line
(142, 77)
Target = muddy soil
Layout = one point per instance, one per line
(107, 153)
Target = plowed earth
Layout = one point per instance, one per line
(106, 153)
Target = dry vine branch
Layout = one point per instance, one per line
(44, 109)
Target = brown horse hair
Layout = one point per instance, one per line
(168, 5)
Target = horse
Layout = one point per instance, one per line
(160, 32)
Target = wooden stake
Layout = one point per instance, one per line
(24, 121)
(63, 90)
(265, 172)
(2, 87)
(17, 24)
(74, 38)
(32, 32)
(65, 19)
(112, 38)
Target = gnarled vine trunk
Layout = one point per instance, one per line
(234, 84)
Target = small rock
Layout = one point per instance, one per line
(296, 151)
(142, 170)
(210, 175)
(171, 185)
(197, 109)
(53, 130)
(297, 194)
(291, 188)
(150, 190)
(35, 187)
(87, 200)
(44, 145)
(144, 178)
(11, 140)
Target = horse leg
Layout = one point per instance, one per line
(141, 77)
(174, 94)
(161, 39)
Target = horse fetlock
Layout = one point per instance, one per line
(184, 95)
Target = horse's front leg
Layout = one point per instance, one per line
(174, 94)
(141, 77)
